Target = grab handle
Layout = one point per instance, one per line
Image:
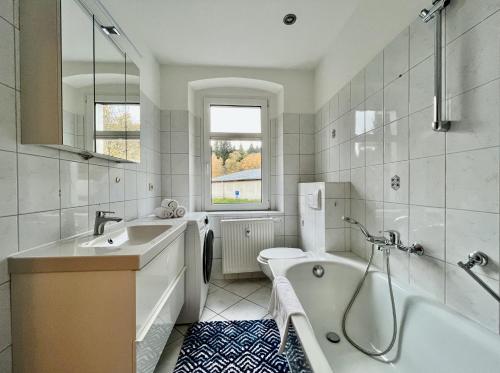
(481, 259)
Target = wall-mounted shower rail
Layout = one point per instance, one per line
(436, 12)
(481, 259)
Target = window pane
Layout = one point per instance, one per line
(134, 150)
(114, 147)
(236, 119)
(236, 171)
(110, 117)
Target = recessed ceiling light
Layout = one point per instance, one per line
(110, 30)
(289, 19)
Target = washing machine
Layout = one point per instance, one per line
(198, 260)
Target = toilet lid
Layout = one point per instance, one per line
(281, 253)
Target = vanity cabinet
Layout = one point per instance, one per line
(100, 321)
(79, 88)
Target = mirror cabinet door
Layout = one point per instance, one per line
(110, 116)
(77, 72)
(133, 111)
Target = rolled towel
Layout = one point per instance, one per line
(179, 212)
(171, 204)
(163, 213)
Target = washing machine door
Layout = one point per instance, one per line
(208, 254)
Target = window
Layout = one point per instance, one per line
(236, 154)
(117, 130)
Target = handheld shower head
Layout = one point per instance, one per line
(350, 220)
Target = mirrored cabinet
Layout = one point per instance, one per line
(79, 90)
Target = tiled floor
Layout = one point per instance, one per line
(227, 300)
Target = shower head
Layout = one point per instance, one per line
(350, 220)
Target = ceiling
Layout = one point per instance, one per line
(241, 33)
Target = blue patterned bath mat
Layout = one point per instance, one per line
(249, 346)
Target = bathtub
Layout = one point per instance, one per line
(431, 336)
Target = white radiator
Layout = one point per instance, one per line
(242, 240)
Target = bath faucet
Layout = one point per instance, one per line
(101, 219)
(385, 243)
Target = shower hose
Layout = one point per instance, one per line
(353, 299)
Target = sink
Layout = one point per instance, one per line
(133, 235)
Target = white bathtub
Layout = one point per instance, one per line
(431, 336)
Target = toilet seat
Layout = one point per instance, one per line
(281, 253)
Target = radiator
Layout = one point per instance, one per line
(242, 240)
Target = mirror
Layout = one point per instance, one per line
(77, 72)
(110, 109)
(100, 88)
(133, 111)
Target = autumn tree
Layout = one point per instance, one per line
(222, 150)
(233, 163)
(251, 161)
(217, 167)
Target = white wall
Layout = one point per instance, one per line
(370, 28)
(297, 84)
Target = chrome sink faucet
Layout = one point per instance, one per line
(101, 219)
(392, 241)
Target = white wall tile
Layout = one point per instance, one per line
(179, 121)
(428, 275)
(358, 89)
(345, 99)
(180, 164)
(358, 151)
(400, 169)
(475, 124)
(396, 141)
(396, 99)
(8, 118)
(374, 146)
(8, 232)
(424, 142)
(74, 184)
(291, 123)
(180, 185)
(38, 183)
(396, 56)
(5, 338)
(306, 144)
(468, 231)
(38, 229)
(307, 124)
(291, 164)
(74, 221)
(465, 14)
(427, 181)
(421, 91)
(374, 111)
(463, 294)
(98, 184)
(179, 142)
(427, 227)
(6, 360)
(374, 75)
(358, 182)
(7, 64)
(345, 156)
(421, 40)
(8, 183)
(291, 143)
(375, 183)
(130, 185)
(7, 10)
(472, 180)
(471, 61)
(116, 184)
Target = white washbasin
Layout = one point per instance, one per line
(133, 235)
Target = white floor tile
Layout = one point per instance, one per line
(244, 310)
(261, 296)
(218, 318)
(168, 358)
(221, 283)
(207, 314)
(220, 300)
(244, 288)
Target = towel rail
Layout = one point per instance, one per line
(481, 259)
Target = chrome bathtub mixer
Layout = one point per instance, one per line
(384, 244)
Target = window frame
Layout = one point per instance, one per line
(114, 135)
(207, 152)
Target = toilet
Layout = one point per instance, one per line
(277, 253)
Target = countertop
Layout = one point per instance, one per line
(70, 256)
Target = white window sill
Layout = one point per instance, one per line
(245, 213)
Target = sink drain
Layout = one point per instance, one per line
(333, 337)
(110, 241)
